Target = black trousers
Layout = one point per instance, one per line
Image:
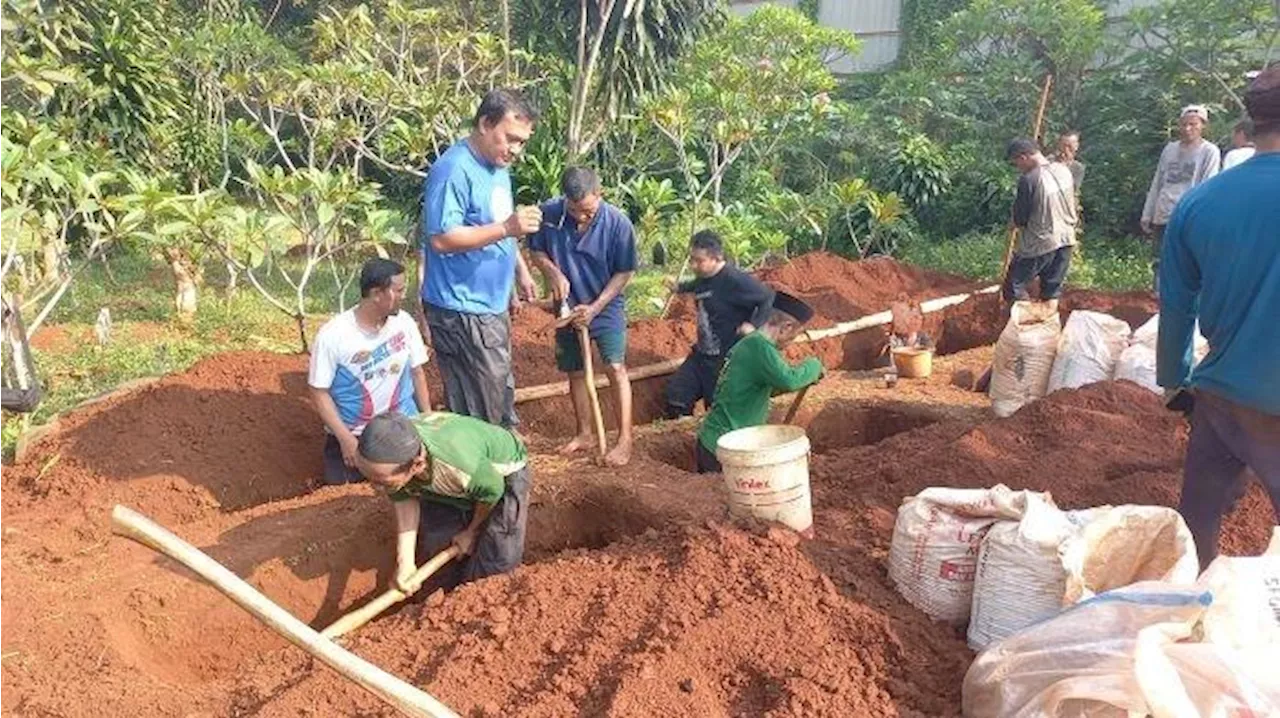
(1226, 438)
(694, 380)
(473, 352)
(498, 549)
(706, 461)
(1051, 268)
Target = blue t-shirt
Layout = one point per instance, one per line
(590, 259)
(463, 190)
(1221, 263)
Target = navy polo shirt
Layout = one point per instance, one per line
(590, 259)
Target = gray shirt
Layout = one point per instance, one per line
(1180, 169)
(1045, 210)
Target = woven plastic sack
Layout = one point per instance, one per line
(1020, 579)
(1087, 352)
(935, 545)
(1129, 543)
(1024, 356)
(1246, 610)
(1137, 363)
(1030, 569)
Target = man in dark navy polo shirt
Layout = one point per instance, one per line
(586, 249)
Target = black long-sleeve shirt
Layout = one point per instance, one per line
(726, 300)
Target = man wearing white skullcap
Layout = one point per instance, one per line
(1183, 165)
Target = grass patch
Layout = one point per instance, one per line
(1112, 265)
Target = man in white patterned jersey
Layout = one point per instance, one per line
(366, 361)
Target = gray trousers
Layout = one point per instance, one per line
(1226, 438)
(473, 352)
(498, 549)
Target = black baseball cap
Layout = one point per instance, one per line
(784, 302)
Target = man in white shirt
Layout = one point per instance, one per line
(1242, 145)
(1183, 165)
(366, 361)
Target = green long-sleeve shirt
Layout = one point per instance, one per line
(753, 372)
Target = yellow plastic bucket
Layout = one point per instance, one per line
(766, 469)
(913, 363)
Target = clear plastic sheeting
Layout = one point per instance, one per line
(1208, 650)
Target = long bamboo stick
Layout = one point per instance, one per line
(395, 692)
(390, 597)
(545, 391)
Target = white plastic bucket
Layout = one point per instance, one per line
(766, 469)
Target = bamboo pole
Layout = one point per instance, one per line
(389, 598)
(546, 391)
(1036, 131)
(395, 692)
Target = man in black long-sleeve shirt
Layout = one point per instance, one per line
(731, 304)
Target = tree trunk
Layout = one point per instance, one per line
(186, 280)
(233, 280)
(302, 332)
(51, 264)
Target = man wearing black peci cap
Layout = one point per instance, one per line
(453, 480)
(753, 372)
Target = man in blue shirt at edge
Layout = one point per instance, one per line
(586, 249)
(1221, 263)
(470, 258)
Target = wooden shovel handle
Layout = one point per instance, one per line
(584, 344)
(395, 692)
(374, 608)
(795, 404)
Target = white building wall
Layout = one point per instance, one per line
(877, 25)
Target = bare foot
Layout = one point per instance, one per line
(620, 455)
(580, 442)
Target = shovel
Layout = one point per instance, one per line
(372, 609)
(795, 404)
(584, 346)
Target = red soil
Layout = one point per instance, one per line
(635, 600)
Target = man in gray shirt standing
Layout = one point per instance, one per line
(1183, 165)
(1044, 211)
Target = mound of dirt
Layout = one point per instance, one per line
(840, 290)
(695, 622)
(714, 620)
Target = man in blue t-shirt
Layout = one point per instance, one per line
(1220, 264)
(587, 251)
(469, 259)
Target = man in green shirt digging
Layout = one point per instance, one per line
(753, 372)
(453, 480)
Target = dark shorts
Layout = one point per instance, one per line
(695, 380)
(706, 461)
(612, 346)
(335, 471)
(1226, 438)
(1050, 268)
(499, 548)
(473, 352)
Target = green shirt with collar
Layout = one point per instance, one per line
(468, 460)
